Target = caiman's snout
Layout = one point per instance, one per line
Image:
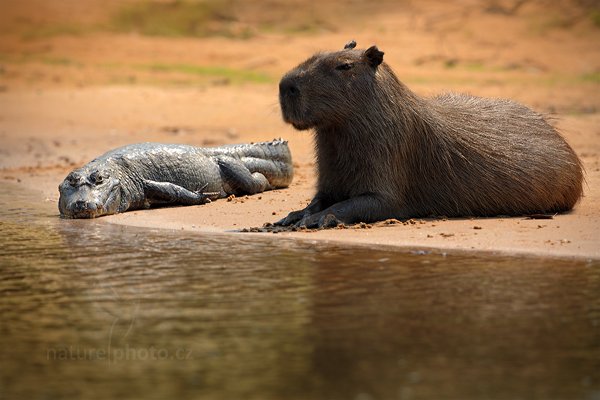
(82, 206)
(82, 209)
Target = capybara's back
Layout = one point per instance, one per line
(491, 157)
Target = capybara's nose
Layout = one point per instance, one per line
(288, 88)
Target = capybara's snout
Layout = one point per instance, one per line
(288, 88)
(291, 101)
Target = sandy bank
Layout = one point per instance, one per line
(44, 149)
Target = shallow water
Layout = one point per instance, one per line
(92, 310)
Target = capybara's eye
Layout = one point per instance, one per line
(344, 66)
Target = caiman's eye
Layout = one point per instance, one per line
(344, 66)
(73, 180)
(96, 178)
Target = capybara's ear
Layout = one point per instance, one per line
(350, 45)
(374, 56)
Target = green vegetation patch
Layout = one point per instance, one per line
(60, 61)
(42, 31)
(177, 18)
(595, 16)
(236, 76)
(593, 77)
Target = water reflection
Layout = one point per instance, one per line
(90, 309)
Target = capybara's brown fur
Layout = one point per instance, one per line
(384, 152)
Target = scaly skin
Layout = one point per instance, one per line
(154, 174)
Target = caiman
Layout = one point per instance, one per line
(144, 175)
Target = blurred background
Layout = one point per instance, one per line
(227, 42)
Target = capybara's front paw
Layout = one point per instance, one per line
(292, 218)
(319, 221)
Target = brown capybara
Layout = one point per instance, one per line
(384, 152)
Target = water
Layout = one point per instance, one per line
(92, 310)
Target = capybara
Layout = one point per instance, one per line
(384, 152)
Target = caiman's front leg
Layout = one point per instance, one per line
(170, 193)
(364, 208)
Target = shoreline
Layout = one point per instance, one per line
(498, 237)
(306, 237)
(377, 241)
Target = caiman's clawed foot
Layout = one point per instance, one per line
(206, 197)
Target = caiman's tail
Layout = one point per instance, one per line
(276, 149)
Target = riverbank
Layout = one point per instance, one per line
(42, 151)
